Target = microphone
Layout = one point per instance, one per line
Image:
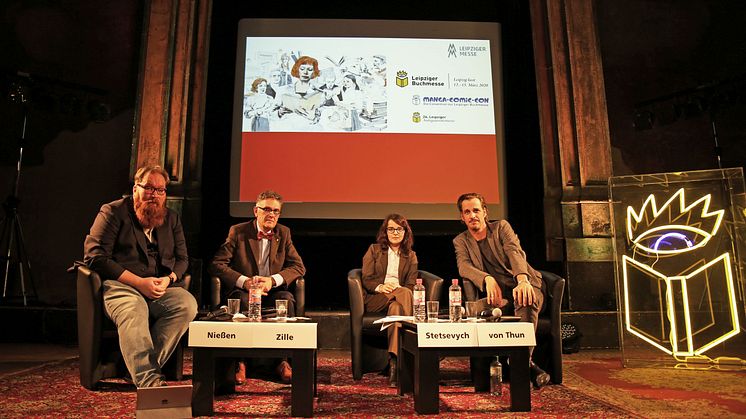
(491, 315)
(223, 310)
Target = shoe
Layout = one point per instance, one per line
(240, 373)
(393, 378)
(285, 372)
(539, 377)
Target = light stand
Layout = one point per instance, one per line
(12, 231)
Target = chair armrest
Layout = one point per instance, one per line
(471, 293)
(555, 290)
(357, 295)
(299, 293)
(433, 285)
(186, 282)
(214, 292)
(90, 293)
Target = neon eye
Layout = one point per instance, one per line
(672, 239)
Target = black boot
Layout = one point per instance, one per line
(539, 377)
(393, 378)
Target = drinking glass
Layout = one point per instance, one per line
(281, 306)
(234, 305)
(472, 308)
(432, 311)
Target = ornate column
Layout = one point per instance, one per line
(576, 150)
(170, 105)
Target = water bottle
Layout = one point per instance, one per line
(418, 301)
(454, 301)
(496, 377)
(255, 301)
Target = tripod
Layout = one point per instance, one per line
(12, 231)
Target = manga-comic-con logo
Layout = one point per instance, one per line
(402, 80)
(452, 51)
(416, 100)
(416, 118)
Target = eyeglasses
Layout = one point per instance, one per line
(151, 190)
(395, 230)
(275, 211)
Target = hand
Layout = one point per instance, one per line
(523, 294)
(265, 281)
(387, 288)
(494, 293)
(152, 287)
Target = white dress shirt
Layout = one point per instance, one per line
(263, 263)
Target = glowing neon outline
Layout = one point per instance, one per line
(725, 257)
(707, 236)
(631, 214)
(674, 234)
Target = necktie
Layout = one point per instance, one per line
(262, 235)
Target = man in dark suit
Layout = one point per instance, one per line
(260, 251)
(489, 255)
(137, 246)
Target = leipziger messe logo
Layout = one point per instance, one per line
(452, 51)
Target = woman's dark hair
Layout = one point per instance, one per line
(383, 239)
(354, 80)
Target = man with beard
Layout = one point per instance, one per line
(137, 246)
(489, 255)
(260, 251)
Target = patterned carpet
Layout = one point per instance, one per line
(593, 388)
(658, 392)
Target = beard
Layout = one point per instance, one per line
(475, 227)
(151, 214)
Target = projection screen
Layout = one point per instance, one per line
(355, 119)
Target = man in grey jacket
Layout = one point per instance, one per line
(489, 255)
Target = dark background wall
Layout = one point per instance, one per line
(92, 50)
(683, 51)
(76, 52)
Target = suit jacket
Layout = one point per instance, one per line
(507, 248)
(375, 262)
(117, 242)
(240, 253)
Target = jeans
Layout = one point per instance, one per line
(149, 330)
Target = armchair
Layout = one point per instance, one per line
(548, 351)
(98, 341)
(368, 344)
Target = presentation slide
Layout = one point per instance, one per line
(361, 125)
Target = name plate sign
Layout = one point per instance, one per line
(284, 335)
(219, 335)
(506, 334)
(436, 335)
(252, 335)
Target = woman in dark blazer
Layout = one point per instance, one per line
(389, 276)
